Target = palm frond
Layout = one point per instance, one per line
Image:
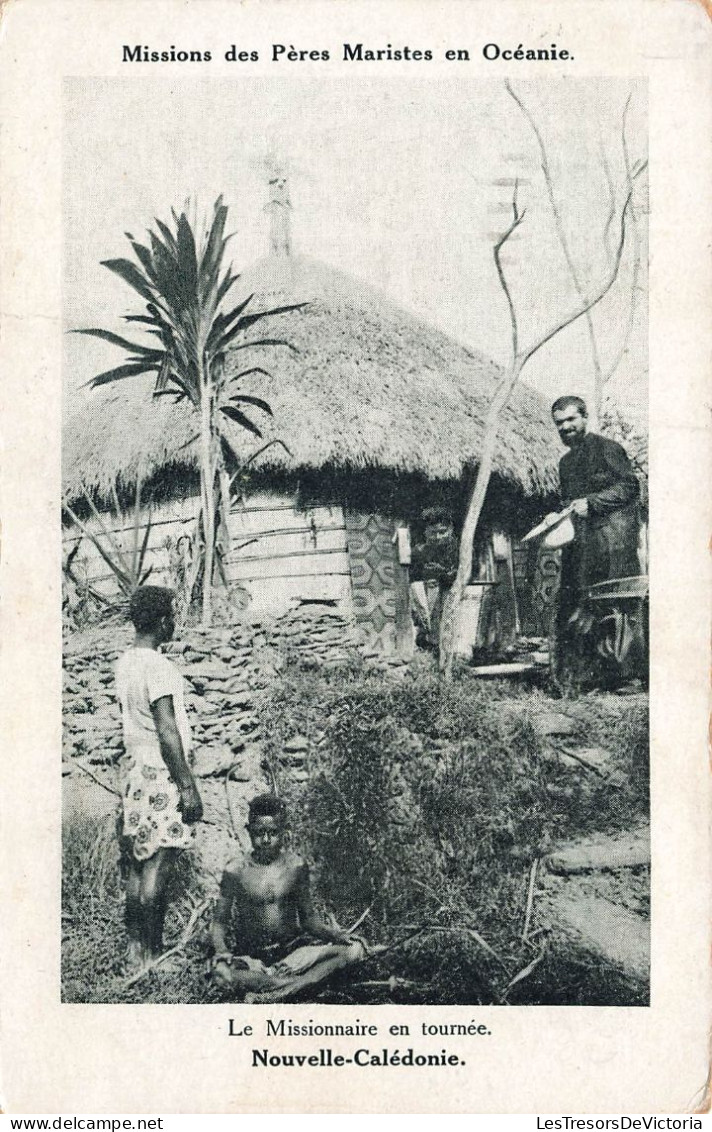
(116, 340)
(128, 271)
(214, 250)
(246, 399)
(187, 259)
(235, 378)
(249, 320)
(239, 418)
(119, 373)
(266, 342)
(163, 374)
(170, 243)
(144, 257)
(225, 285)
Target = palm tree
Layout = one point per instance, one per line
(184, 286)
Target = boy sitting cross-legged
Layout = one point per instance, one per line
(267, 896)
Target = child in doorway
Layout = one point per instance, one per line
(160, 798)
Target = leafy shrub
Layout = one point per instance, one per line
(428, 803)
(364, 826)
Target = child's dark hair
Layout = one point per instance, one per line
(267, 806)
(148, 605)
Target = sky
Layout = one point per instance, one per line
(403, 183)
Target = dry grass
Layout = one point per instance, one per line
(93, 935)
(426, 804)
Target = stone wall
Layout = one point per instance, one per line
(226, 671)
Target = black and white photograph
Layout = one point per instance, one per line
(354, 513)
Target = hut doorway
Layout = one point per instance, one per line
(379, 584)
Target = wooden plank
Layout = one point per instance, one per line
(282, 514)
(289, 540)
(315, 518)
(297, 554)
(405, 637)
(282, 546)
(602, 852)
(331, 562)
(107, 584)
(287, 532)
(274, 595)
(180, 511)
(496, 670)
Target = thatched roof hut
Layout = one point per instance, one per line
(369, 386)
(381, 415)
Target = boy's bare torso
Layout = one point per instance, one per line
(265, 899)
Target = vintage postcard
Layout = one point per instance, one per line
(355, 582)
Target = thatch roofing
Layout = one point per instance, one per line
(370, 386)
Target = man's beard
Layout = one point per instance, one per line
(573, 440)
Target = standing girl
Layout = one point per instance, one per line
(160, 798)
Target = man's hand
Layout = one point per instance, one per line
(190, 804)
(580, 508)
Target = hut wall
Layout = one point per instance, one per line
(292, 554)
(297, 554)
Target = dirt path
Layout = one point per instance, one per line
(595, 890)
(605, 929)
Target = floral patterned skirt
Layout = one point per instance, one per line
(152, 818)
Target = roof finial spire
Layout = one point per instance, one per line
(279, 206)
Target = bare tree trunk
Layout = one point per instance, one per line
(449, 622)
(450, 619)
(207, 493)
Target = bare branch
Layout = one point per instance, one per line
(530, 899)
(624, 135)
(190, 928)
(605, 165)
(516, 221)
(631, 174)
(549, 182)
(515, 205)
(560, 229)
(76, 761)
(601, 378)
(230, 807)
(605, 288)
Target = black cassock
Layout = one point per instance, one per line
(605, 547)
(606, 543)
